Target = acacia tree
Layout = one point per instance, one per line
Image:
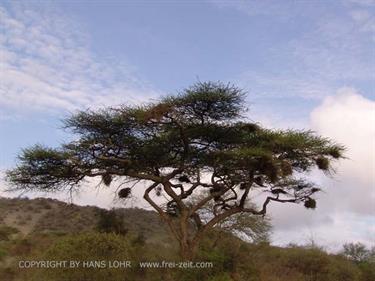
(196, 142)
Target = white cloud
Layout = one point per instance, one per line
(329, 233)
(47, 64)
(346, 209)
(349, 118)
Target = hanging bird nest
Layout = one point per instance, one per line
(315, 189)
(286, 168)
(259, 181)
(215, 189)
(310, 203)
(218, 198)
(184, 178)
(107, 179)
(158, 112)
(158, 191)
(302, 185)
(250, 127)
(278, 191)
(124, 193)
(322, 163)
(271, 171)
(172, 209)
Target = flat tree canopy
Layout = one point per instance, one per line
(195, 142)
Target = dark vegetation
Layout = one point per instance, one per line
(80, 233)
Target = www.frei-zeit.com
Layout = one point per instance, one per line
(90, 264)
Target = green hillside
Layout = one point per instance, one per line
(50, 230)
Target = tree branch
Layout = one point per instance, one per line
(162, 214)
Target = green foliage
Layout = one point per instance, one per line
(111, 222)
(199, 127)
(246, 226)
(221, 277)
(3, 253)
(363, 257)
(358, 252)
(91, 245)
(6, 232)
(254, 228)
(233, 260)
(298, 263)
(139, 240)
(208, 101)
(87, 247)
(8, 274)
(44, 168)
(367, 270)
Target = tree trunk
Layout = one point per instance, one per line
(188, 250)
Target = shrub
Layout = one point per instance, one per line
(7, 274)
(357, 252)
(22, 247)
(6, 232)
(367, 271)
(111, 222)
(107, 247)
(3, 253)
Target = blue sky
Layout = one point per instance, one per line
(302, 63)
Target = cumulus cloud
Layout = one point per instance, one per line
(346, 210)
(349, 118)
(47, 64)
